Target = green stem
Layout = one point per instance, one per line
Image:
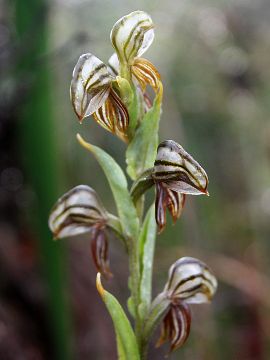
(134, 264)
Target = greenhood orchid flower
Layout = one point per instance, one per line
(80, 211)
(190, 282)
(93, 92)
(175, 174)
(131, 36)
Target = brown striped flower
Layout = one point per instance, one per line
(131, 36)
(175, 174)
(92, 92)
(167, 199)
(190, 282)
(80, 211)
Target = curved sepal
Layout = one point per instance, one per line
(176, 326)
(76, 212)
(90, 85)
(191, 280)
(132, 35)
(146, 74)
(178, 170)
(113, 115)
(126, 340)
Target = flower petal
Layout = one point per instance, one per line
(178, 170)
(113, 65)
(132, 35)
(90, 85)
(166, 198)
(76, 212)
(176, 326)
(146, 73)
(99, 248)
(175, 203)
(190, 280)
(113, 115)
(160, 207)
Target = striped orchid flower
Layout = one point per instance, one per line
(131, 36)
(175, 174)
(80, 211)
(93, 91)
(190, 281)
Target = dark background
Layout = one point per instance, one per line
(213, 57)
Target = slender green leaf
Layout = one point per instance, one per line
(118, 183)
(141, 151)
(126, 340)
(120, 349)
(147, 248)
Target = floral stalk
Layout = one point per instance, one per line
(117, 97)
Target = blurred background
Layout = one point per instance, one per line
(213, 57)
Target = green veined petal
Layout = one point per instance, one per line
(90, 85)
(113, 115)
(132, 35)
(146, 73)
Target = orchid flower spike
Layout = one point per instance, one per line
(80, 211)
(190, 282)
(92, 93)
